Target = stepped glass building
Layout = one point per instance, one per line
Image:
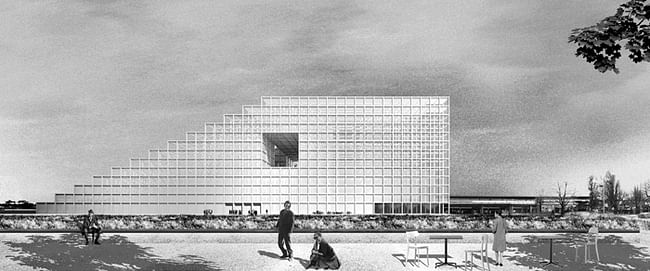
(338, 155)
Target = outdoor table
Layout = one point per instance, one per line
(550, 239)
(446, 237)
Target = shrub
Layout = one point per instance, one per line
(318, 222)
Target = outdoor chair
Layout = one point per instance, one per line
(590, 240)
(411, 243)
(483, 252)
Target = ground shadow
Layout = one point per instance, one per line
(476, 256)
(401, 258)
(115, 253)
(269, 254)
(477, 262)
(273, 255)
(615, 254)
(302, 261)
(421, 258)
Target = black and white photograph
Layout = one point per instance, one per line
(325, 135)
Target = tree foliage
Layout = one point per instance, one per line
(600, 44)
(593, 194)
(613, 194)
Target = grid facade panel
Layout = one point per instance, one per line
(326, 154)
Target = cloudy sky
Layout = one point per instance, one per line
(86, 85)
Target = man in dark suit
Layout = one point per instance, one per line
(91, 225)
(322, 254)
(285, 227)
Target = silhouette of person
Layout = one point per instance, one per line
(285, 227)
(322, 254)
(499, 229)
(91, 225)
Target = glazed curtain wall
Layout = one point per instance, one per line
(358, 155)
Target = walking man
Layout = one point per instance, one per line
(285, 227)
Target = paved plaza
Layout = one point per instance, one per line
(258, 251)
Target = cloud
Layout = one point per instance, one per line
(91, 84)
(606, 115)
(41, 109)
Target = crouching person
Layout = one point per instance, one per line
(322, 255)
(91, 226)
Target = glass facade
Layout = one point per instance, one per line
(338, 155)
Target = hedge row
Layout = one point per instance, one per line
(313, 222)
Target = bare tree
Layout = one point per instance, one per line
(593, 194)
(626, 202)
(637, 198)
(562, 197)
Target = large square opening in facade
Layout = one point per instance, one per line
(281, 149)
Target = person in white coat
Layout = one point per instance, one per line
(499, 229)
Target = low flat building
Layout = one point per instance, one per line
(514, 205)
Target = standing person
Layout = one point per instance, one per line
(499, 230)
(322, 254)
(285, 227)
(91, 225)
